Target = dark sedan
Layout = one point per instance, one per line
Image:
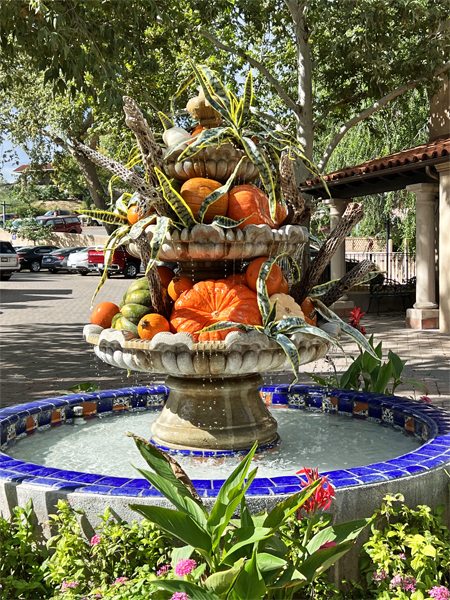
(57, 260)
(31, 258)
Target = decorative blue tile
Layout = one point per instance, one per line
(8, 475)
(340, 483)
(338, 474)
(395, 473)
(262, 482)
(375, 411)
(345, 404)
(68, 475)
(141, 484)
(53, 483)
(362, 471)
(372, 478)
(27, 468)
(95, 489)
(8, 462)
(258, 491)
(87, 478)
(202, 484)
(212, 493)
(114, 481)
(46, 472)
(432, 462)
(314, 400)
(217, 483)
(286, 480)
(150, 492)
(399, 419)
(413, 469)
(286, 489)
(401, 462)
(104, 405)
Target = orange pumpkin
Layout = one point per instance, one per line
(307, 308)
(249, 201)
(273, 281)
(280, 214)
(133, 214)
(178, 285)
(166, 276)
(284, 287)
(240, 278)
(103, 314)
(195, 190)
(210, 302)
(152, 324)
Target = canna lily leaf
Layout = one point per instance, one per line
(184, 213)
(247, 99)
(166, 122)
(356, 335)
(104, 216)
(228, 223)
(265, 174)
(162, 227)
(214, 196)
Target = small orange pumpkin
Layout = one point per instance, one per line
(133, 214)
(178, 285)
(152, 324)
(307, 308)
(210, 302)
(166, 275)
(273, 281)
(103, 314)
(240, 278)
(195, 190)
(284, 287)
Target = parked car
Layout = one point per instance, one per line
(71, 224)
(122, 262)
(79, 261)
(57, 260)
(9, 261)
(32, 257)
(8, 217)
(89, 221)
(57, 213)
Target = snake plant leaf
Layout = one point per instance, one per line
(226, 325)
(227, 223)
(165, 121)
(112, 243)
(184, 213)
(208, 137)
(272, 315)
(203, 80)
(290, 349)
(138, 227)
(295, 269)
(104, 216)
(322, 289)
(217, 87)
(214, 196)
(264, 171)
(293, 325)
(183, 86)
(247, 99)
(265, 307)
(356, 335)
(175, 148)
(126, 201)
(162, 227)
(369, 276)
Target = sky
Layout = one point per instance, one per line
(7, 168)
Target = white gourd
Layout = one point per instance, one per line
(175, 135)
(286, 307)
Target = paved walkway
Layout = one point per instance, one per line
(43, 352)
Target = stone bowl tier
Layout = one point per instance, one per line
(214, 163)
(214, 401)
(207, 243)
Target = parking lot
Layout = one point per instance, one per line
(42, 348)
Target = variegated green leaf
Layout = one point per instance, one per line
(206, 90)
(320, 290)
(293, 325)
(247, 99)
(356, 335)
(174, 149)
(226, 325)
(166, 122)
(265, 307)
(125, 201)
(138, 227)
(113, 242)
(369, 276)
(228, 223)
(183, 86)
(104, 216)
(291, 352)
(182, 210)
(265, 174)
(295, 269)
(162, 227)
(214, 196)
(208, 137)
(216, 86)
(272, 315)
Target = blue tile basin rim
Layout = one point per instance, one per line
(432, 422)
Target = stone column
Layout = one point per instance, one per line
(425, 314)
(337, 265)
(444, 246)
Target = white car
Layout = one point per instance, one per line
(78, 261)
(9, 261)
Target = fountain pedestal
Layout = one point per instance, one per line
(214, 414)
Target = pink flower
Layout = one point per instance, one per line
(96, 539)
(179, 596)
(401, 555)
(163, 570)
(439, 593)
(327, 545)
(120, 580)
(406, 583)
(98, 596)
(321, 498)
(72, 584)
(185, 566)
(425, 399)
(396, 581)
(379, 575)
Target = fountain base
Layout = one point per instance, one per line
(217, 414)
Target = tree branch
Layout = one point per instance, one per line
(255, 63)
(330, 108)
(369, 111)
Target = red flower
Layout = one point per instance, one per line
(321, 498)
(356, 316)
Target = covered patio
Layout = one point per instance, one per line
(425, 171)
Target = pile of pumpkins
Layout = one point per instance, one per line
(199, 305)
(241, 201)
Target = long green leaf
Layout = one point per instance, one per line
(228, 223)
(322, 560)
(125, 201)
(194, 592)
(226, 325)
(104, 216)
(206, 90)
(384, 375)
(162, 227)
(249, 583)
(208, 137)
(137, 228)
(293, 325)
(290, 577)
(178, 524)
(264, 304)
(246, 536)
(247, 99)
(216, 86)
(321, 290)
(184, 213)
(183, 552)
(265, 174)
(165, 121)
(290, 349)
(288, 507)
(337, 533)
(112, 243)
(356, 335)
(221, 581)
(214, 196)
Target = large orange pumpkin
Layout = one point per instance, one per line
(245, 200)
(103, 314)
(195, 190)
(273, 281)
(210, 302)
